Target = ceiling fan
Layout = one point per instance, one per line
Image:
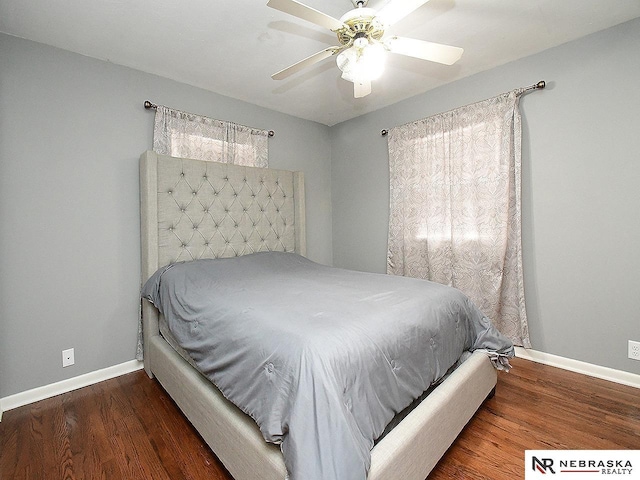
(363, 45)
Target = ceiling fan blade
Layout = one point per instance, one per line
(361, 89)
(309, 14)
(434, 52)
(307, 62)
(396, 10)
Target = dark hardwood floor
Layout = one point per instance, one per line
(128, 428)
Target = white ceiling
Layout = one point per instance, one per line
(233, 47)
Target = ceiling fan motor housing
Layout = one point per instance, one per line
(362, 24)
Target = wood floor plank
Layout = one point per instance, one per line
(128, 428)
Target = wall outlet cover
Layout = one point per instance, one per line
(68, 357)
(634, 350)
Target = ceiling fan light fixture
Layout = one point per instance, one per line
(360, 42)
(360, 65)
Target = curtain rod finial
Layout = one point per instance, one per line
(148, 105)
(384, 132)
(541, 84)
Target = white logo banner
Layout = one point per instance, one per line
(582, 464)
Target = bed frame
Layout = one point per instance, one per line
(194, 209)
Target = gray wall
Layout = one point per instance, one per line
(72, 128)
(71, 131)
(581, 177)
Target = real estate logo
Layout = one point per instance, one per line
(582, 464)
(542, 465)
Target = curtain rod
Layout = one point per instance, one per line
(152, 106)
(536, 86)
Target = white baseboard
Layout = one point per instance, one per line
(64, 386)
(597, 371)
(47, 391)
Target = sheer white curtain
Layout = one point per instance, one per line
(182, 134)
(455, 206)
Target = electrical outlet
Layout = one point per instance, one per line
(634, 350)
(68, 357)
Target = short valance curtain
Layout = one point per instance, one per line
(182, 134)
(455, 214)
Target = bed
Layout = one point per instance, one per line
(193, 210)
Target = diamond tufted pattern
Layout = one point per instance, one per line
(212, 210)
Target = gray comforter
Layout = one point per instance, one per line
(321, 358)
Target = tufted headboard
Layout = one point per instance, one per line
(191, 209)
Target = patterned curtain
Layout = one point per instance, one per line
(182, 134)
(455, 206)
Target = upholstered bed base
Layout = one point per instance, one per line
(408, 452)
